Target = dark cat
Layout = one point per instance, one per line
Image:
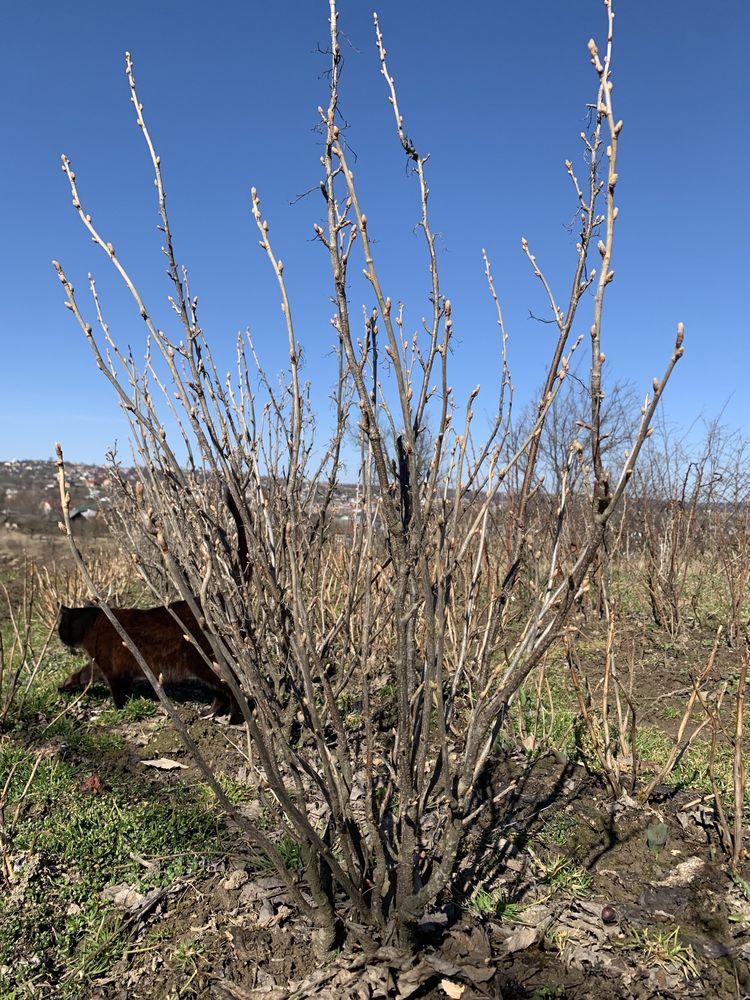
(161, 641)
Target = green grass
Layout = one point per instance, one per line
(56, 915)
(548, 992)
(291, 853)
(660, 947)
(92, 740)
(56, 932)
(556, 831)
(484, 903)
(107, 831)
(741, 884)
(693, 769)
(562, 874)
(672, 712)
(134, 710)
(43, 700)
(236, 791)
(185, 954)
(551, 720)
(53, 775)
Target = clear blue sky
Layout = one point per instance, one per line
(496, 92)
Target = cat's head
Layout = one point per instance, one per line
(74, 623)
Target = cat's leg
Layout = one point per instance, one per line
(224, 704)
(77, 681)
(219, 707)
(121, 688)
(82, 679)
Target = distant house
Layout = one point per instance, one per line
(88, 513)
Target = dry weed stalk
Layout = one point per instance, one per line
(731, 834)
(21, 654)
(733, 543)
(738, 773)
(58, 584)
(681, 742)
(380, 670)
(617, 760)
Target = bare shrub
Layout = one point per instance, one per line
(691, 512)
(379, 664)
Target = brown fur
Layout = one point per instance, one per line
(160, 640)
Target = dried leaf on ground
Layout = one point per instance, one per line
(164, 764)
(452, 989)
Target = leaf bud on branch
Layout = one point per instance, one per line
(595, 60)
